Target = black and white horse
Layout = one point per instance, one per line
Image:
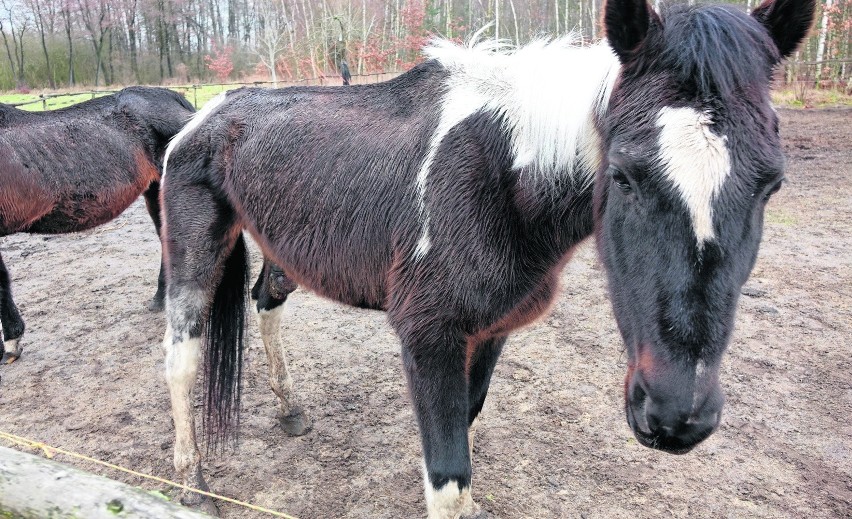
(75, 168)
(455, 196)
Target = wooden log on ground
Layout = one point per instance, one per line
(32, 487)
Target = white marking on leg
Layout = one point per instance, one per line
(696, 161)
(192, 125)
(12, 347)
(447, 502)
(182, 358)
(279, 373)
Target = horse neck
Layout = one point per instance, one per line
(555, 215)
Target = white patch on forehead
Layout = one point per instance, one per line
(696, 161)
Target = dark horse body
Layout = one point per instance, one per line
(75, 168)
(455, 196)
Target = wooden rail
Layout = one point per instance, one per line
(32, 487)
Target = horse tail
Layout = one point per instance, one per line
(226, 331)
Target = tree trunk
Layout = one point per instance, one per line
(9, 54)
(555, 13)
(496, 19)
(515, 18)
(66, 17)
(39, 20)
(130, 17)
(823, 34)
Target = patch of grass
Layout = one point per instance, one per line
(52, 103)
(779, 217)
(198, 96)
(792, 97)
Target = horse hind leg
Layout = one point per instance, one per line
(197, 255)
(152, 203)
(270, 292)
(12, 323)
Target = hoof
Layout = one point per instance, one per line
(157, 304)
(295, 423)
(201, 503)
(478, 514)
(11, 351)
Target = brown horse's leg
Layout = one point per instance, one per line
(13, 325)
(270, 292)
(152, 202)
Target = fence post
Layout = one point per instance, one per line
(195, 96)
(43, 102)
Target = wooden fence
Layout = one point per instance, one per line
(32, 487)
(191, 91)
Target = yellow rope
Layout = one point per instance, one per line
(52, 451)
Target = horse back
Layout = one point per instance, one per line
(68, 174)
(314, 180)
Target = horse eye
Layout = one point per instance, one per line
(774, 189)
(620, 180)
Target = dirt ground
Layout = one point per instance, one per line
(553, 440)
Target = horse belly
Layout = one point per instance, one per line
(22, 199)
(343, 254)
(93, 198)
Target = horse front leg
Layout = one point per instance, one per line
(270, 292)
(12, 323)
(483, 358)
(434, 361)
(152, 203)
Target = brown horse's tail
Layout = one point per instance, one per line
(226, 326)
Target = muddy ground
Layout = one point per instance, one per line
(553, 440)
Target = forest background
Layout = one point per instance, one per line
(67, 44)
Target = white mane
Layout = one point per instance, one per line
(549, 92)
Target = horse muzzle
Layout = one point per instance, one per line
(668, 418)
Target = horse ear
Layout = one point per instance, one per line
(788, 21)
(627, 23)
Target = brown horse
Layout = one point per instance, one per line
(75, 168)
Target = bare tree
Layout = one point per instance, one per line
(273, 34)
(823, 35)
(44, 16)
(94, 14)
(18, 25)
